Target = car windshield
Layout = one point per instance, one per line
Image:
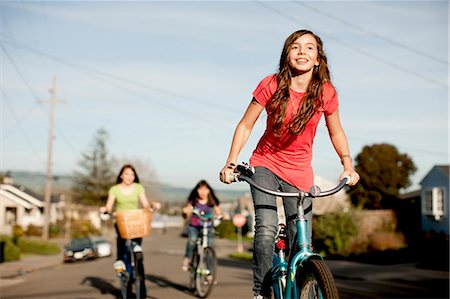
(81, 241)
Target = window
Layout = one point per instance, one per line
(434, 202)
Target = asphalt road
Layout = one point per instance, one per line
(164, 278)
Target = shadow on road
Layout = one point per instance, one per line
(166, 283)
(102, 285)
(234, 263)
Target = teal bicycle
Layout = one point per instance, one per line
(305, 275)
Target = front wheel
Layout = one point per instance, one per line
(139, 276)
(315, 281)
(206, 273)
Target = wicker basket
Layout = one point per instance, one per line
(134, 223)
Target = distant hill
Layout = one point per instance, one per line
(36, 182)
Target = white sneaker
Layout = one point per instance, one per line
(258, 297)
(137, 248)
(120, 266)
(185, 265)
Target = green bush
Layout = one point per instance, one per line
(56, 230)
(17, 232)
(332, 232)
(226, 229)
(11, 252)
(243, 256)
(34, 231)
(41, 247)
(82, 228)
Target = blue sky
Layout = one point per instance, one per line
(170, 80)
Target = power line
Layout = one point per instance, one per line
(122, 79)
(104, 76)
(30, 89)
(22, 131)
(372, 33)
(107, 78)
(356, 49)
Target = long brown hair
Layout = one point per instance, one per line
(313, 97)
(212, 198)
(119, 179)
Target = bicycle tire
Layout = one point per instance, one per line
(315, 281)
(193, 269)
(139, 276)
(124, 285)
(205, 274)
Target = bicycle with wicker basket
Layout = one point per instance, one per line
(132, 224)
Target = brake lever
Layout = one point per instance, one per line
(245, 169)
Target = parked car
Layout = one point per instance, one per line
(102, 246)
(80, 249)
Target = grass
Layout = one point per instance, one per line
(242, 256)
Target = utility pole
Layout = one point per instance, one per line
(48, 183)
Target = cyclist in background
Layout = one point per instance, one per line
(127, 194)
(295, 99)
(202, 198)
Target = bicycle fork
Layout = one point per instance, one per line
(304, 250)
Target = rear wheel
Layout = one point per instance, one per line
(315, 281)
(206, 273)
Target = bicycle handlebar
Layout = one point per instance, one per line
(205, 218)
(244, 172)
(202, 215)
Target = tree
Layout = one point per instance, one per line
(384, 171)
(96, 176)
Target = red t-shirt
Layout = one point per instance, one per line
(289, 156)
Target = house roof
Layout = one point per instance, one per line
(21, 194)
(443, 169)
(412, 194)
(55, 198)
(14, 198)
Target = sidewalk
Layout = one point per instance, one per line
(11, 271)
(28, 264)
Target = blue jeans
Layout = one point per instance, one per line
(121, 243)
(266, 225)
(193, 233)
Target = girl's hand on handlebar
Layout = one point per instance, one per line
(354, 176)
(155, 206)
(188, 209)
(227, 175)
(104, 215)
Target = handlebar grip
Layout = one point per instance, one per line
(347, 179)
(105, 216)
(246, 169)
(235, 177)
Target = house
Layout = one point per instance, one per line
(20, 206)
(434, 200)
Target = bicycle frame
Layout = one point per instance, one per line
(202, 240)
(287, 287)
(304, 250)
(203, 268)
(133, 266)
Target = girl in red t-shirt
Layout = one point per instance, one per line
(295, 99)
